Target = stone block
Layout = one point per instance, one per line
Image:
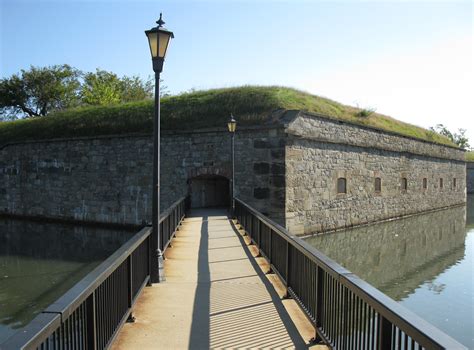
(278, 181)
(261, 144)
(261, 168)
(278, 169)
(261, 193)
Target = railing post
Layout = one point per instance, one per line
(130, 287)
(287, 269)
(319, 302)
(91, 322)
(270, 232)
(259, 236)
(149, 259)
(287, 265)
(384, 333)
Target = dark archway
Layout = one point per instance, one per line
(209, 191)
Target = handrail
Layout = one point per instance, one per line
(173, 206)
(90, 314)
(68, 302)
(345, 310)
(169, 220)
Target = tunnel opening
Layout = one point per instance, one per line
(209, 191)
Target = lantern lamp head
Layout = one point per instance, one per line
(232, 124)
(159, 39)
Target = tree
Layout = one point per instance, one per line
(458, 138)
(135, 89)
(7, 118)
(38, 91)
(101, 88)
(163, 89)
(104, 88)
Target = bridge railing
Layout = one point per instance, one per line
(347, 312)
(91, 313)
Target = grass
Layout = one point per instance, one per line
(470, 156)
(201, 109)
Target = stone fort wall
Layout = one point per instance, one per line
(320, 151)
(109, 179)
(288, 172)
(470, 177)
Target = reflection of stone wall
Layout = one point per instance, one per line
(470, 177)
(320, 151)
(398, 256)
(48, 241)
(470, 211)
(39, 262)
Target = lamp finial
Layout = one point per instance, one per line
(160, 22)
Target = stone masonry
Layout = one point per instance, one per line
(287, 168)
(319, 151)
(109, 179)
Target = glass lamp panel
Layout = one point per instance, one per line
(153, 41)
(231, 126)
(163, 42)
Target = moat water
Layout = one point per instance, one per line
(425, 262)
(39, 262)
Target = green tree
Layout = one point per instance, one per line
(39, 90)
(105, 88)
(459, 138)
(135, 89)
(101, 88)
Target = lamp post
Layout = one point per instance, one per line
(232, 125)
(158, 39)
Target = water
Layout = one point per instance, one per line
(39, 262)
(425, 262)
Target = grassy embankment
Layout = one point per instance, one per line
(470, 156)
(201, 109)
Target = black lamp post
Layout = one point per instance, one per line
(232, 125)
(159, 39)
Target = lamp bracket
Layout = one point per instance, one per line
(158, 64)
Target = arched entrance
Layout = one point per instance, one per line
(209, 191)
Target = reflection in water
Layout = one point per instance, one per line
(421, 261)
(39, 262)
(397, 256)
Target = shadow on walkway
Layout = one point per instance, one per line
(235, 305)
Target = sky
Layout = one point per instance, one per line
(410, 60)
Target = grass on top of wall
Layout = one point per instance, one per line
(470, 156)
(251, 105)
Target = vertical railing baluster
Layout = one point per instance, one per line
(130, 283)
(270, 243)
(91, 322)
(319, 300)
(287, 267)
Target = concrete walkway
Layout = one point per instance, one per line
(216, 295)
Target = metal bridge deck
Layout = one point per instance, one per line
(216, 295)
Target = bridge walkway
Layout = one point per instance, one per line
(216, 295)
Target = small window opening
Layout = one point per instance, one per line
(378, 184)
(404, 184)
(341, 185)
(441, 183)
(454, 183)
(425, 183)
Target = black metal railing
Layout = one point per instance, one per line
(347, 312)
(169, 220)
(91, 313)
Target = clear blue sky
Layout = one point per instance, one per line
(411, 60)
